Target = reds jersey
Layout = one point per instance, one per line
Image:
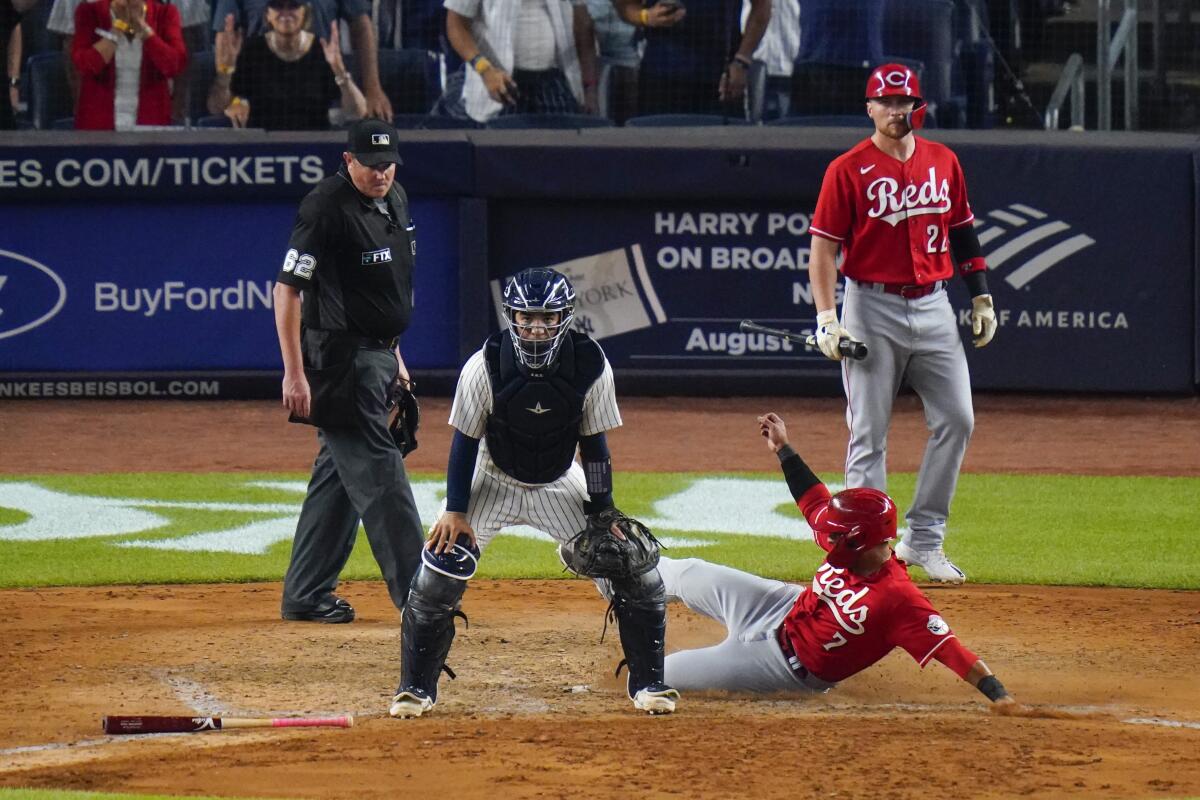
(844, 623)
(893, 218)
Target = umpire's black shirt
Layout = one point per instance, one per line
(352, 261)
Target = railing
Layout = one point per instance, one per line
(1070, 85)
(1108, 53)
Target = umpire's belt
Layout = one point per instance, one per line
(363, 342)
(909, 291)
(809, 680)
(370, 343)
(366, 342)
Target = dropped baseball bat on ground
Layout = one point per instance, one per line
(847, 347)
(117, 725)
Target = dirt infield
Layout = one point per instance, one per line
(1013, 433)
(535, 711)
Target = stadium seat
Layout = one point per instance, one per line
(63, 124)
(49, 95)
(977, 62)
(411, 79)
(820, 89)
(213, 121)
(202, 71)
(924, 30)
(35, 36)
(841, 32)
(682, 121)
(823, 121)
(548, 122)
(756, 90)
(427, 122)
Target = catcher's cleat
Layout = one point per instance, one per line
(657, 698)
(332, 610)
(939, 568)
(411, 702)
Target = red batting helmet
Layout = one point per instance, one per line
(864, 517)
(897, 80)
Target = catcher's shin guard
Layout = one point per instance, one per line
(428, 630)
(640, 605)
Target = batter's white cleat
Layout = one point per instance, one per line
(657, 698)
(410, 703)
(939, 568)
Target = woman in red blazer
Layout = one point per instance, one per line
(120, 35)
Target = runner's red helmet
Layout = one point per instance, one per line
(897, 80)
(864, 517)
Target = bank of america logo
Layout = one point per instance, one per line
(1042, 246)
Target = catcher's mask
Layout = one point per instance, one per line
(864, 518)
(539, 290)
(897, 80)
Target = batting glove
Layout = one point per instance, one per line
(983, 319)
(829, 331)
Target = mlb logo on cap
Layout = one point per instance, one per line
(373, 142)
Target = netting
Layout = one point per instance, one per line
(287, 65)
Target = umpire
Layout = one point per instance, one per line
(351, 254)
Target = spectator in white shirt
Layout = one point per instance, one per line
(523, 56)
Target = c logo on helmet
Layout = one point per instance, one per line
(895, 78)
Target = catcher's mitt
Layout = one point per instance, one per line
(595, 552)
(406, 419)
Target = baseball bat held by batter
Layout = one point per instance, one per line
(847, 347)
(120, 724)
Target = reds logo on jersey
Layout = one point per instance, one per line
(892, 205)
(828, 585)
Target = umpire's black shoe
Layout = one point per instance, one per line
(332, 610)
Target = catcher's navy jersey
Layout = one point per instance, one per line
(473, 403)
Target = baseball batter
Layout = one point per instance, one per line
(525, 402)
(896, 205)
(860, 606)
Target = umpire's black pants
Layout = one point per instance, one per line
(358, 474)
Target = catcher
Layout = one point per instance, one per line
(525, 402)
(861, 604)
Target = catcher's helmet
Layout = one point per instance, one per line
(539, 289)
(897, 80)
(864, 517)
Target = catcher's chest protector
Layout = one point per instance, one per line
(533, 429)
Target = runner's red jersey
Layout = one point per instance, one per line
(893, 218)
(844, 623)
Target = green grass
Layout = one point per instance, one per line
(1068, 530)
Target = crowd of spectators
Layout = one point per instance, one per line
(315, 64)
(282, 77)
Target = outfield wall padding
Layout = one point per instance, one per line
(154, 254)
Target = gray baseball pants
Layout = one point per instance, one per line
(358, 475)
(917, 340)
(751, 609)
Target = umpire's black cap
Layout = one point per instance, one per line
(373, 142)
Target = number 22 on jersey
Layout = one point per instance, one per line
(932, 245)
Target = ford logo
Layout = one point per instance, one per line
(30, 294)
